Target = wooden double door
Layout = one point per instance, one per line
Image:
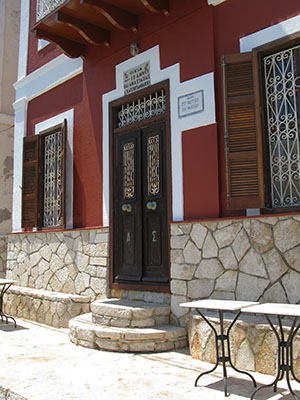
(140, 235)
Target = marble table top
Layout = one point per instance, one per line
(289, 310)
(222, 305)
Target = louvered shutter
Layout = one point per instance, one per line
(30, 186)
(243, 144)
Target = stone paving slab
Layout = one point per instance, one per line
(39, 363)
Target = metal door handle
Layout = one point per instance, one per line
(127, 208)
(151, 205)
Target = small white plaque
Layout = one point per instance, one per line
(137, 78)
(191, 103)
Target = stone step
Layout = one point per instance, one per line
(85, 333)
(124, 313)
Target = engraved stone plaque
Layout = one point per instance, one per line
(137, 78)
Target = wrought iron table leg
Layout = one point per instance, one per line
(223, 358)
(216, 345)
(284, 357)
(229, 354)
(7, 317)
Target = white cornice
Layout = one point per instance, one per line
(48, 76)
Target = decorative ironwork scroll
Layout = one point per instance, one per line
(128, 170)
(153, 165)
(45, 7)
(53, 179)
(141, 109)
(281, 90)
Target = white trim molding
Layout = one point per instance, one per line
(203, 83)
(20, 107)
(42, 43)
(24, 37)
(47, 77)
(51, 122)
(274, 32)
(215, 2)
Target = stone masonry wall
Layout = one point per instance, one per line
(3, 255)
(74, 262)
(254, 259)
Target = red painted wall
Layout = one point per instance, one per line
(200, 169)
(179, 42)
(194, 35)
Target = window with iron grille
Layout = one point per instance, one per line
(261, 113)
(43, 191)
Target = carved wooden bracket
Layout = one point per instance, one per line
(68, 47)
(119, 18)
(91, 33)
(157, 6)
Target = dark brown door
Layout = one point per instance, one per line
(140, 206)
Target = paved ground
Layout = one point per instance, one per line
(39, 362)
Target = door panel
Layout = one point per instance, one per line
(155, 216)
(140, 206)
(127, 209)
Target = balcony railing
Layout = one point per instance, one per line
(45, 7)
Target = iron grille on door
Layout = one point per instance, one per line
(141, 109)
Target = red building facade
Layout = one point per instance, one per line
(146, 96)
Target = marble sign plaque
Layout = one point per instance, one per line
(137, 78)
(191, 103)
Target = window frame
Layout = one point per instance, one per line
(38, 195)
(263, 173)
(262, 51)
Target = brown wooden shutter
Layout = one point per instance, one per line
(243, 143)
(30, 186)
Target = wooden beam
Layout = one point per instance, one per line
(68, 47)
(119, 18)
(91, 33)
(157, 6)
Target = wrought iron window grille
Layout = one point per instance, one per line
(282, 84)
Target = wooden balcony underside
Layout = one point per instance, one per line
(77, 23)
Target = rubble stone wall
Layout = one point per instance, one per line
(74, 262)
(3, 255)
(255, 259)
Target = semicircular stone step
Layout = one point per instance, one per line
(85, 333)
(129, 313)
